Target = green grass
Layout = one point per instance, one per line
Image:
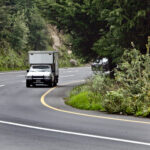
(83, 101)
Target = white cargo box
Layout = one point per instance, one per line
(41, 57)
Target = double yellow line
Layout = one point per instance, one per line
(82, 114)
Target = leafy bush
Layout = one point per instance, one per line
(129, 105)
(99, 84)
(133, 75)
(133, 72)
(113, 101)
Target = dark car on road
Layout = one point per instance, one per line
(100, 65)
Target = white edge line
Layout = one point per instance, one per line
(2, 85)
(73, 68)
(66, 76)
(72, 71)
(20, 76)
(18, 72)
(74, 133)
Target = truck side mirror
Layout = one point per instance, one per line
(27, 70)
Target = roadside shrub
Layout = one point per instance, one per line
(99, 84)
(129, 105)
(113, 101)
(143, 105)
(133, 74)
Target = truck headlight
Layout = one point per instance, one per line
(47, 77)
(28, 77)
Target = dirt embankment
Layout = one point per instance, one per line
(55, 36)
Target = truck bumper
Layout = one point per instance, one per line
(39, 81)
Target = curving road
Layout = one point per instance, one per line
(37, 118)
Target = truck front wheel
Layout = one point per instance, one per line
(55, 81)
(27, 84)
(50, 84)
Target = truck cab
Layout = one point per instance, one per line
(43, 68)
(39, 74)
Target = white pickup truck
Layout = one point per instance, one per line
(43, 68)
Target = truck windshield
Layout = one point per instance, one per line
(40, 69)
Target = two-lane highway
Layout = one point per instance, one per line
(37, 118)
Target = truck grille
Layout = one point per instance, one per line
(37, 77)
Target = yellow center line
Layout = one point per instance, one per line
(82, 114)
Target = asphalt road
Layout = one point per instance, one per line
(27, 124)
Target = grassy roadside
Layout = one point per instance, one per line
(86, 100)
(86, 96)
(128, 93)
